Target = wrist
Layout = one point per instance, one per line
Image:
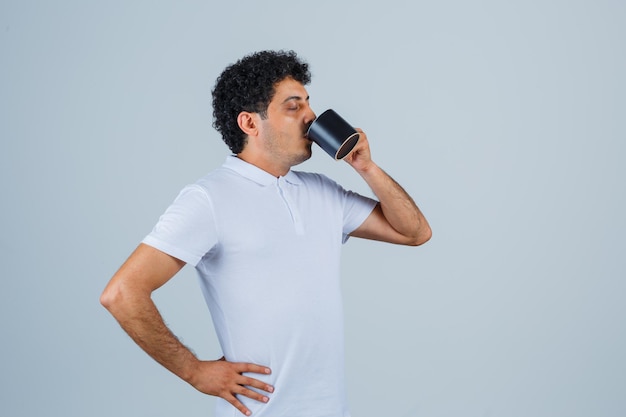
(189, 370)
(368, 169)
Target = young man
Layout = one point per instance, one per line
(265, 241)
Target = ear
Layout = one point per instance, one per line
(248, 123)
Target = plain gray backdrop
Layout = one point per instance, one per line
(505, 120)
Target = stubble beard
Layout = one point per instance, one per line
(296, 159)
(292, 158)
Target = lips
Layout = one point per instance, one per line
(306, 132)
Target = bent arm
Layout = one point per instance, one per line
(128, 299)
(396, 218)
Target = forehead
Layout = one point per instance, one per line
(289, 88)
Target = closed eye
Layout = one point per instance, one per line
(293, 102)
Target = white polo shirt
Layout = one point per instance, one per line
(267, 252)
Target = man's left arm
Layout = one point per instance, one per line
(396, 218)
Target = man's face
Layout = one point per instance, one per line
(288, 118)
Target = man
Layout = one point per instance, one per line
(265, 241)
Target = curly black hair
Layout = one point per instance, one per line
(248, 85)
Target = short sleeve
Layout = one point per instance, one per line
(187, 229)
(356, 209)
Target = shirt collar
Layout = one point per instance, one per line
(256, 174)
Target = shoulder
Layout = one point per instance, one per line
(218, 183)
(215, 177)
(316, 179)
(201, 192)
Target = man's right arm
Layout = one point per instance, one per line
(128, 297)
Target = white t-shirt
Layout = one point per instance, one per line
(267, 252)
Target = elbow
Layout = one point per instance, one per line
(109, 297)
(122, 299)
(117, 302)
(424, 234)
(114, 299)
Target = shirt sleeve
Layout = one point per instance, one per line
(187, 229)
(356, 208)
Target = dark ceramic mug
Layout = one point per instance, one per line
(333, 134)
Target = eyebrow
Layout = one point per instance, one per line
(298, 98)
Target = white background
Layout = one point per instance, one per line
(504, 120)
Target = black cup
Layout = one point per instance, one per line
(333, 134)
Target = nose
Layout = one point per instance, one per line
(309, 116)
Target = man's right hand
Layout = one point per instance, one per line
(226, 380)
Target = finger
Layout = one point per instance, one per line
(242, 367)
(252, 394)
(237, 404)
(255, 383)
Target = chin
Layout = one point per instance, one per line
(308, 154)
(303, 157)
